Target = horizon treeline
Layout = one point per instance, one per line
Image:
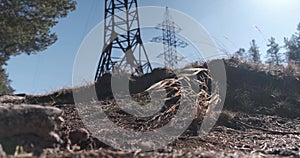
(276, 55)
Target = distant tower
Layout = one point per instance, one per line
(169, 40)
(122, 34)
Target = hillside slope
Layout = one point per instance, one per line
(260, 118)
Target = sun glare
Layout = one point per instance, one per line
(279, 3)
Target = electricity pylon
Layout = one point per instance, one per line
(169, 40)
(122, 34)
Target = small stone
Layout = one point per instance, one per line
(2, 153)
(78, 136)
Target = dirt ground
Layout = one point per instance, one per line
(236, 134)
(259, 119)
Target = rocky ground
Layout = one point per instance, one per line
(50, 126)
(235, 135)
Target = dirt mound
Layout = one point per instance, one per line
(249, 89)
(136, 84)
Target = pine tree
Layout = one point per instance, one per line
(5, 87)
(253, 52)
(241, 54)
(274, 57)
(292, 46)
(25, 27)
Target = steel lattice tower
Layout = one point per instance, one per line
(169, 40)
(122, 34)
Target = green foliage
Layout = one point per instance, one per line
(25, 24)
(273, 54)
(25, 27)
(5, 87)
(292, 46)
(241, 54)
(253, 52)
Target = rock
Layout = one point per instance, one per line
(78, 136)
(30, 126)
(14, 99)
(25, 119)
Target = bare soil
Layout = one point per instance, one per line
(269, 129)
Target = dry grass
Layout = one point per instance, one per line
(188, 89)
(290, 69)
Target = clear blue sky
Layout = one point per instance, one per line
(230, 22)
